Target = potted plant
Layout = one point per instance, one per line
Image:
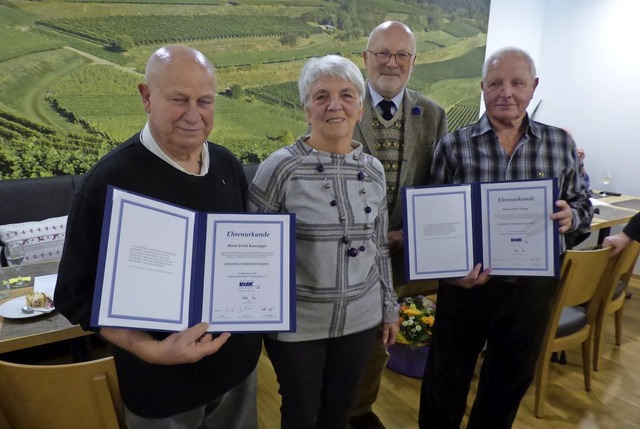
(409, 355)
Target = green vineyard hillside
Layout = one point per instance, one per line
(70, 69)
(28, 149)
(463, 113)
(160, 29)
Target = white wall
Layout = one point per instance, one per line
(517, 23)
(586, 53)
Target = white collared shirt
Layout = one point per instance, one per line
(377, 98)
(150, 143)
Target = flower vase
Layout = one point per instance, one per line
(407, 360)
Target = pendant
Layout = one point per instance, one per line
(351, 251)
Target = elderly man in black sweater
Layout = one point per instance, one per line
(187, 379)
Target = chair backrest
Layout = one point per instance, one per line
(581, 273)
(586, 272)
(79, 395)
(621, 271)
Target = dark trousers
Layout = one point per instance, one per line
(511, 319)
(319, 379)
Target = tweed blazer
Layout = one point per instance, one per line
(425, 123)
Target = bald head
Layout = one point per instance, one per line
(397, 28)
(172, 54)
(179, 97)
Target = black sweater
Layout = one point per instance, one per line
(149, 390)
(632, 229)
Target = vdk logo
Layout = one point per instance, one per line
(246, 284)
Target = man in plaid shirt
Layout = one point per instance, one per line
(509, 315)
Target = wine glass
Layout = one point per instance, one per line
(606, 177)
(14, 253)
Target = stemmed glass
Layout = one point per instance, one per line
(14, 253)
(606, 177)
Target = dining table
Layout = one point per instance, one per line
(21, 332)
(611, 210)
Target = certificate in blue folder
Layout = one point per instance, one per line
(166, 268)
(503, 225)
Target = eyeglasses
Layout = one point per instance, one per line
(402, 58)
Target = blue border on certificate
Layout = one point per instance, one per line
(280, 320)
(475, 233)
(110, 312)
(193, 224)
(555, 235)
(465, 270)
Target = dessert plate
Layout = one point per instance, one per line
(12, 309)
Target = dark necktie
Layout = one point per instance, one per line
(386, 105)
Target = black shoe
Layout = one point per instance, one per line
(366, 421)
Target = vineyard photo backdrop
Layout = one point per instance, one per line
(69, 69)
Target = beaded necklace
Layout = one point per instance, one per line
(345, 239)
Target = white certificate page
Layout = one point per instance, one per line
(439, 232)
(518, 234)
(247, 273)
(147, 276)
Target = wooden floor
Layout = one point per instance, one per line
(612, 403)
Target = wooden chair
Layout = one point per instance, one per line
(581, 273)
(614, 293)
(71, 396)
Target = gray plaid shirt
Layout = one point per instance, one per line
(473, 154)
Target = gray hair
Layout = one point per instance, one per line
(329, 65)
(505, 52)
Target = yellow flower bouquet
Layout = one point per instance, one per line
(417, 315)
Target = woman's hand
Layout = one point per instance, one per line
(390, 333)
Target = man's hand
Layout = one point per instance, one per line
(618, 241)
(474, 278)
(186, 346)
(396, 240)
(390, 333)
(564, 216)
